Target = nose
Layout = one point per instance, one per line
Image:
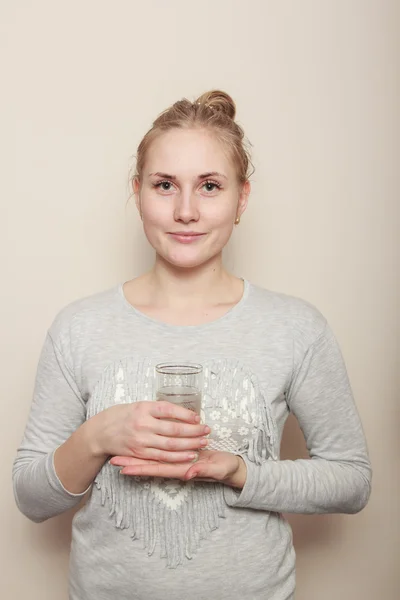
(186, 208)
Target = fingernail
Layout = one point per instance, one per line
(192, 476)
(203, 442)
(207, 429)
(197, 419)
(192, 456)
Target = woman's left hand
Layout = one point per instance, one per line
(211, 466)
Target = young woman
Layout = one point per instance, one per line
(156, 524)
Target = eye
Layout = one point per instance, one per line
(211, 186)
(165, 186)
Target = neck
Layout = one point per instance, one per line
(209, 283)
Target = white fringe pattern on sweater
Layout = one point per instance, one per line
(171, 514)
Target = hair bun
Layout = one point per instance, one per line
(219, 101)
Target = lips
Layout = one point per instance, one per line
(186, 237)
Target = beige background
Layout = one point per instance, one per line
(317, 88)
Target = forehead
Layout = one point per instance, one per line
(188, 152)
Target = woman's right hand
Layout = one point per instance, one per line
(141, 430)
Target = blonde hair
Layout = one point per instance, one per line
(214, 111)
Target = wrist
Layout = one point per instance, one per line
(90, 433)
(238, 477)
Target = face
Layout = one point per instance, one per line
(189, 197)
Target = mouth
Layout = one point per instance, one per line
(186, 237)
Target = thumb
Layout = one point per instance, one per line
(200, 470)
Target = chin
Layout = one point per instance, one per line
(187, 262)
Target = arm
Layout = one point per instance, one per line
(337, 477)
(61, 453)
(57, 412)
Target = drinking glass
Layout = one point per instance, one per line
(180, 383)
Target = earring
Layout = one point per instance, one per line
(237, 220)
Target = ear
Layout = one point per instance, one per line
(136, 192)
(243, 198)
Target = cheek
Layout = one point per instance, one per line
(222, 216)
(220, 223)
(151, 223)
(221, 236)
(155, 214)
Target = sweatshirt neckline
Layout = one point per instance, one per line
(232, 312)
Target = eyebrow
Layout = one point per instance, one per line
(202, 176)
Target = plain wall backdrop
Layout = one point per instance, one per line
(317, 90)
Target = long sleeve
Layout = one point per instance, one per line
(57, 411)
(337, 477)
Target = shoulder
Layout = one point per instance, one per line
(85, 312)
(287, 312)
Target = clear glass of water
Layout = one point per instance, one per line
(180, 383)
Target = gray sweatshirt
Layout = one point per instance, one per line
(155, 539)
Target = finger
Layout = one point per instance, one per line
(167, 410)
(126, 461)
(156, 455)
(169, 471)
(176, 444)
(173, 429)
(123, 461)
